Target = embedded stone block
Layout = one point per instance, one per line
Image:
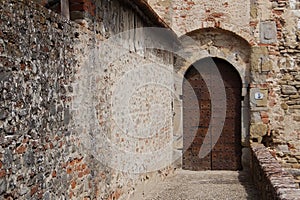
(266, 66)
(268, 32)
(258, 54)
(258, 130)
(283, 148)
(288, 90)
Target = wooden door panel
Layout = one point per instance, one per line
(226, 154)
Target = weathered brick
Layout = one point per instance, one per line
(33, 190)
(73, 184)
(21, 149)
(2, 173)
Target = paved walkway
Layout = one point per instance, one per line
(205, 185)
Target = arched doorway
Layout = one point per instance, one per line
(226, 154)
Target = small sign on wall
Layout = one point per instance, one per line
(258, 96)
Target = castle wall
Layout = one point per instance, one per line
(271, 28)
(190, 15)
(78, 113)
(60, 137)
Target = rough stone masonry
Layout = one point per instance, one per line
(47, 117)
(271, 28)
(55, 74)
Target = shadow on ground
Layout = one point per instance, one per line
(246, 181)
(200, 185)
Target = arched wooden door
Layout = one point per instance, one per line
(226, 154)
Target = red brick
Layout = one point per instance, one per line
(277, 12)
(264, 114)
(87, 171)
(272, 103)
(33, 190)
(80, 174)
(265, 120)
(25, 140)
(71, 195)
(2, 173)
(69, 170)
(115, 195)
(78, 160)
(21, 149)
(217, 15)
(40, 194)
(83, 166)
(73, 184)
(78, 168)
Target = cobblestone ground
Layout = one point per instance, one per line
(204, 185)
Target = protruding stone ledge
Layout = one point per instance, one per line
(270, 178)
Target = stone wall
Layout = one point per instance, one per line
(66, 99)
(275, 72)
(37, 68)
(221, 44)
(272, 30)
(270, 178)
(81, 11)
(186, 16)
(58, 83)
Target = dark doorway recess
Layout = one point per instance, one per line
(226, 154)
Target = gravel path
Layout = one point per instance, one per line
(204, 185)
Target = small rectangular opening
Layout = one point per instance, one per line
(65, 8)
(53, 5)
(59, 6)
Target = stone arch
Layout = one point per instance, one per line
(229, 28)
(215, 42)
(218, 43)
